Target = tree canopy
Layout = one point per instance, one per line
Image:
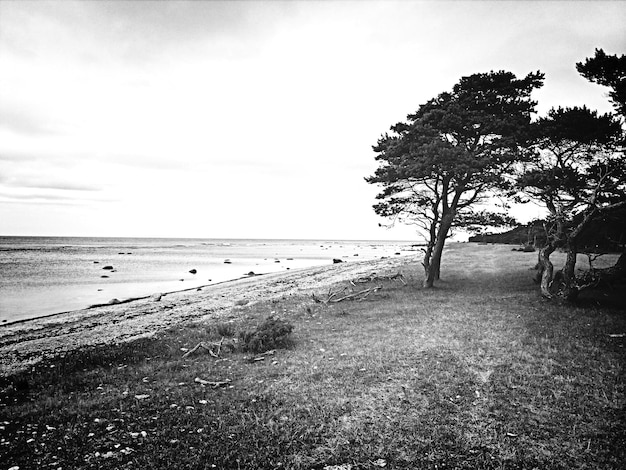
(579, 174)
(609, 71)
(453, 152)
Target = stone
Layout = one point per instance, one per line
(193, 271)
(227, 261)
(108, 267)
(337, 260)
(114, 302)
(156, 297)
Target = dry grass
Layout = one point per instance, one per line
(477, 373)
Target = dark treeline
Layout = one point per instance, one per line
(605, 234)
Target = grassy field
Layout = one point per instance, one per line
(477, 373)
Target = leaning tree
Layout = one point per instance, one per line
(579, 175)
(452, 154)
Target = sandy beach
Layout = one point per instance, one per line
(25, 343)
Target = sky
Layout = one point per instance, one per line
(249, 119)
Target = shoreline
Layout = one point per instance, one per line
(24, 343)
(128, 300)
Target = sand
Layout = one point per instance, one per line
(25, 343)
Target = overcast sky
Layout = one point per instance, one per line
(248, 119)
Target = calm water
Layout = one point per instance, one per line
(45, 275)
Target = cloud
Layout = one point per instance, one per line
(49, 196)
(17, 157)
(39, 183)
(138, 32)
(20, 121)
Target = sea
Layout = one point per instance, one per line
(42, 276)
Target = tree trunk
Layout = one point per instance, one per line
(432, 273)
(568, 290)
(428, 253)
(547, 269)
(539, 268)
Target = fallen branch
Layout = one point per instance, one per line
(374, 277)
(363, 293)
(207, 347)
(329, 297)
(261, 357)
(200, 381)
(332, 296)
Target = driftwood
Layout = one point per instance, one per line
(337, 296)
(332, 297)
(374, 277)
(200, 381)
(208, 347)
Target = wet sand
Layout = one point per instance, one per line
(23, 344)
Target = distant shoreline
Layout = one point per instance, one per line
(44, 276)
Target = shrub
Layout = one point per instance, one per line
(226, 330)
(273, 333)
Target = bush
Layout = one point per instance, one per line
(273, 333)
(226, 330)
